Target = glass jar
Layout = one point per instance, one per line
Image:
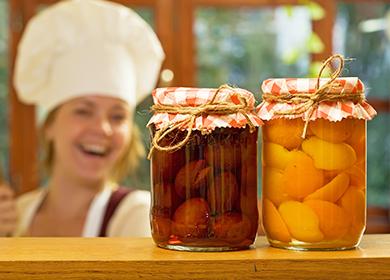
(314, 172)
(204, 194)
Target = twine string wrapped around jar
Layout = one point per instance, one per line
(308, 102)
(212, 107)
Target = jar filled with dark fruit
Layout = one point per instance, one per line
(204, 169)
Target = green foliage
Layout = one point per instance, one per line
(316, 11)
(141, 179)
(315, 68)
(239, 47)
(378, 161)
(315, 44)
(371, 64)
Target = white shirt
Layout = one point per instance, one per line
(131, 217)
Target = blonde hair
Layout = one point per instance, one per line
(126, 165)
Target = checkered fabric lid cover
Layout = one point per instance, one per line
(184, 96)
(332, 111)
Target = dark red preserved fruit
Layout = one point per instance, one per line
(205, 193)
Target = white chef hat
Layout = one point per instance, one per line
(82, 47)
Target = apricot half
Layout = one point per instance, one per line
(191, 178)
(354, 203)
(335, 132)
(329, 156)
(334, 220)
(191, 218)
(285, 132)
(357, 140)
(232, 227)
(275, 155)
(300, 177)
(273, 186)
(357, 176)
(302, 222)
(273, 223)
(331, 191)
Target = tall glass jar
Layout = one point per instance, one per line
(314, 164)
(204, 190)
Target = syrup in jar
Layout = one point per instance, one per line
(204, 194)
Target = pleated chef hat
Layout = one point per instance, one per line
(86, 47)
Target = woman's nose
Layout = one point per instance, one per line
(103, 124)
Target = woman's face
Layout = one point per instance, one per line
(89, 134)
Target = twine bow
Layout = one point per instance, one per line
(212, 107)
(308, 102)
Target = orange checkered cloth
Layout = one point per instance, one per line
(332, 111)
(193, 97)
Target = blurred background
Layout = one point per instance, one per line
(242, 42)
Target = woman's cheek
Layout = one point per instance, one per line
(122, 137)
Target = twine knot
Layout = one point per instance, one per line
(308, 102)
(212, 107)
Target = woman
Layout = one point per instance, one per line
(86, 64)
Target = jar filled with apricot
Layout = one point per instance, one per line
(314, 162)
(204, 169)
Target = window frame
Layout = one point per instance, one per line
(174, 27)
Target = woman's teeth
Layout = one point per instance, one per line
(94, 149)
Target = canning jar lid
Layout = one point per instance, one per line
(333, 98)
(209, 108)
(204, 109)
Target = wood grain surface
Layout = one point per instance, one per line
(139, 258)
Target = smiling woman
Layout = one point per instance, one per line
(87, 85)
(90, 133)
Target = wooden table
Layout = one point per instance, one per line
(131, 258)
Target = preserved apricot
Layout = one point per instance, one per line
(191, 178)
(204, 168)
(329, 156)
(202, 191)
(357, 140)
(302, 222)
(300, 177)
(273, 224)
(232, 227)
(333, 190)
(314, 160)
(191, 218)
(354, 203)
(273, 186)
(357, 176)
(334, 220)
(335, 132)
(275, 155)
(284, 132)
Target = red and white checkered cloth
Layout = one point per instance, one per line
(193, 97)
(332, 111)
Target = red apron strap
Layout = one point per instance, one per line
(116, 197)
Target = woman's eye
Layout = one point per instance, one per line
(118, 117)
(83, 112)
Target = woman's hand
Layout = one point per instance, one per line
(8, 213)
